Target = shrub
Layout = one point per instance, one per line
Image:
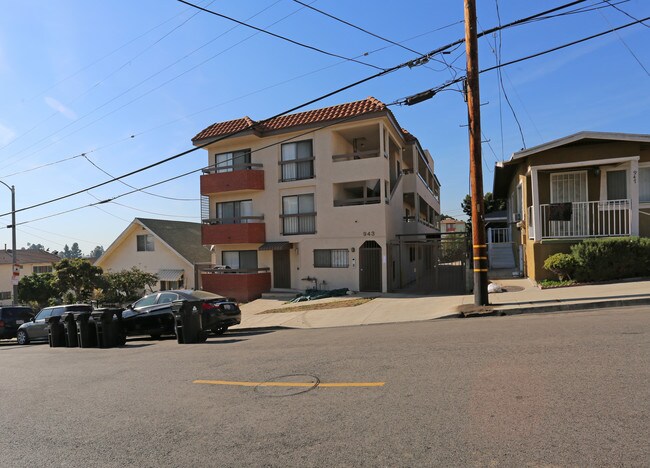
(563, 265)
(612, 258)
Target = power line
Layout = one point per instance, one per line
(625, 44)
(411, 63)
(212, 107)
(433, 91)
(278, 36)
(613, 5)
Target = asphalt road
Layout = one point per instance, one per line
(539, 390)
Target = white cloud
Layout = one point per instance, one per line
(57, 106)
(6, 135)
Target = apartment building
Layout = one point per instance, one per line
(313, 199)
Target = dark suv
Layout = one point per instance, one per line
(36, 329)
(12, 317)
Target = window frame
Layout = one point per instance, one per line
(147, 238)
(233, 165)
(298, 214)
(48, 269)
(239, 259)
(332, 253)
(644, 166)
(287, 163)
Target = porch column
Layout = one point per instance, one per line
(537, 222)
(634, 197)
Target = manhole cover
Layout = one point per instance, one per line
(287, 385)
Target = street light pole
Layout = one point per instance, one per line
(14, 294)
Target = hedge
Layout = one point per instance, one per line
(610, 258)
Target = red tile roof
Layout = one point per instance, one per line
(326, 114)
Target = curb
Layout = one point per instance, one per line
(561, 308)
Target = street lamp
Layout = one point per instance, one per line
(14, 293)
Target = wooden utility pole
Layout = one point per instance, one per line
(479, 247)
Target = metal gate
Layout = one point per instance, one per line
(281, 269)
(430, 266)
(370, 267)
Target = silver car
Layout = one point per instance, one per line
(36, 329)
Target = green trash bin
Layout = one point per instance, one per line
(107, 327)
(187, 318)
(86, 335)
(70, 329)
(55, 332)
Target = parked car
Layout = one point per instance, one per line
(152, 315)
(12, 317)
(36, 329)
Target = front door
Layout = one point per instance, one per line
(570, 187)
(370, 267)
(281, 269)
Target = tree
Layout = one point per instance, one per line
(97, 252)
(77, 276)
(126, 286)
(35, 246)
(39, 288)
(71, 252)
(489, 205)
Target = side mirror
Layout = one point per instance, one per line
(130, 306)
(33, 319)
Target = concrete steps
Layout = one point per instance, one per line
(501, 256)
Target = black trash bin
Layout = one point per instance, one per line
(108, 327)
(187, 318)
(86, 335)
(70, 329)
(55, 332)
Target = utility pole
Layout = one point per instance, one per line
(14, 265)
(479, 247)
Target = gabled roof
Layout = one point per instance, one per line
(366, 106)
(582, 137)
(182, 237)
(26, 256)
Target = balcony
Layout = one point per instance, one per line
(243, 285)
(583, 219)
(243, 230)
(232, 178)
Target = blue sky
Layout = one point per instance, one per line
(129, 83)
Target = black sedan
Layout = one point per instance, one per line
(152, 315)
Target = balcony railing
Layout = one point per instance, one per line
(586, 219)
(217, 168)
(237, 220)
(499, 235)
(358, 155)
(303, 223)
(357, 201)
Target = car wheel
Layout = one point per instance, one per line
(219, 330)
(22, 337)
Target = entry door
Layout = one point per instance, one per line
(570, 187)
(281, 269)
(370, 267)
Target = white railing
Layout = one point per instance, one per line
(499, 235)
(586, 219)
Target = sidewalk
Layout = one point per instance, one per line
(520, 296)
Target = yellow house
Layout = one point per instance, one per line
(29, 261)
(170, 249)
(586, 185)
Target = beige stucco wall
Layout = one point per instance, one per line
(124, 255)
(336, 227)
(6, 271)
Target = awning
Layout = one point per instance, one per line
(170, 275)
(275, 246)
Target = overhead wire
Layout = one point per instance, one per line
(625, 44)
(614, 5)
(411, 63)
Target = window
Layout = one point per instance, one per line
(298, 214)
(297, 161)
(616, 185)
(644, 184)
(234, 161)
(145, 243)
(167, 285)
(240, 259)
(166, 298)
(516, 203)
(44, 314)
(4, 295)
(145, 301)
(42, 269)
(331, 258)
(233, 212)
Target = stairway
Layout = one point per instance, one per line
(501, 255)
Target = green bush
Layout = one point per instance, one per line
(611, 258)
(563, 265)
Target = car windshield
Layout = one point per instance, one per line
(145, 301)
(43, 314)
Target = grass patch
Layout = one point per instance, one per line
(319, 306)
(548, 284)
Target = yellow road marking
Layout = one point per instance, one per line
(290, 384)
